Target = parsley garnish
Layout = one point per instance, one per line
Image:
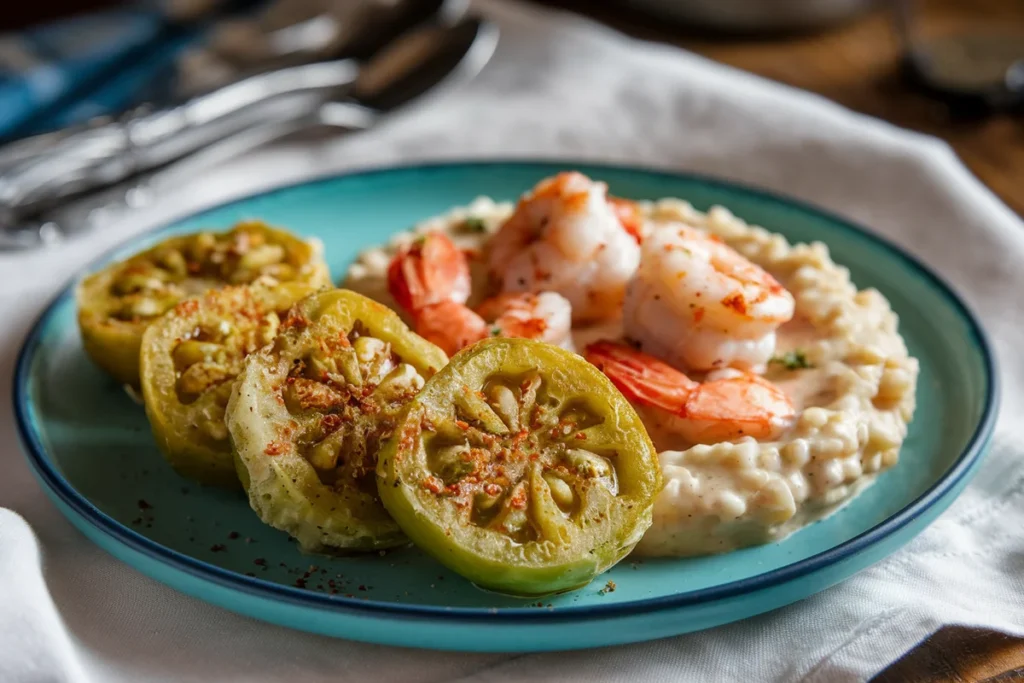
(792, 360)
(474, 224)
(495, 331)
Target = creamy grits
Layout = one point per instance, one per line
(841, 361)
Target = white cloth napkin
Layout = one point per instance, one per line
(564, 87)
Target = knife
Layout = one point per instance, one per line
(419, 62)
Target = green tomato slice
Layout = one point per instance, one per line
(310, 412)
(189, 360)
(118, 303)
(522, 468)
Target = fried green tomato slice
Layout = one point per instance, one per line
(309, 414)
(522, 468)
(189, 360)
(117, 304)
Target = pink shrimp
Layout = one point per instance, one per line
(726, 406)
(566, 236)
(701, 305)
(545, 317)
(428, 271)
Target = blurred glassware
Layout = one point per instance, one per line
(972, 60)
(754, 16)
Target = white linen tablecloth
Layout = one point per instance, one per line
(563, 87)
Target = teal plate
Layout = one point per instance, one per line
(90, 447)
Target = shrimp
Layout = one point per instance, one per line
(698, 304)
(629, 215)
(450, 325)
(428, 271)
(728, 405)
(430, 279)
(566, 237)
(545, 317)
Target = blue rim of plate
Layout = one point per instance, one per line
(36, 452)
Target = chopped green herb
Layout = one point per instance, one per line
(474, 224)
(495, 331)
(420, 240)
(792, 360)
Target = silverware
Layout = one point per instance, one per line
(97, 156)
(419, 62)
(100, 156)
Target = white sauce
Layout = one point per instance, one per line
(853, 405)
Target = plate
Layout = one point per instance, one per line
(89, 445)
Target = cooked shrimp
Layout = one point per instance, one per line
(629, 215)
(450, 325)
(427, 271)
(545, 317)
(566, 237)
(698, 304)
(728, 405)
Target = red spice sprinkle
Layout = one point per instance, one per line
(301, 583)
(433, 484)
(581, 436)
(518, 500)
(295, 319)
(233, 535)
(143, 505)
(330, 422)
(275, 448)
(260, 562)
(218, 548)
(362, 588)
(187, 307)
(462, 425)
(736, 302)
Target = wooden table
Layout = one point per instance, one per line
(856, 64)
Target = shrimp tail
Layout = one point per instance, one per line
(641, 377)
(728, 405)
(450, 325)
